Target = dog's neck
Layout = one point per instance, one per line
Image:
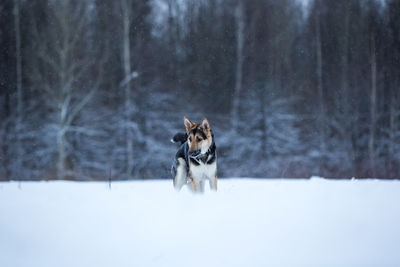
(204, 157)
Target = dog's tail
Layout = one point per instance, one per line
(179, 138)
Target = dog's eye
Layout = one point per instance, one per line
(198, 139)
(190, 139)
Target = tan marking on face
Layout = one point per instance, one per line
(196, 140)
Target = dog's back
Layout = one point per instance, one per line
(179, 138)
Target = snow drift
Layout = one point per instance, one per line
(248, 222)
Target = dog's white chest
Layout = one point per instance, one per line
(202, 171)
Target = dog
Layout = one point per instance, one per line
(196, 159)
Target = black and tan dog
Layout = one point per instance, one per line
(196, 159)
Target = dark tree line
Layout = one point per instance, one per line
(95, 89)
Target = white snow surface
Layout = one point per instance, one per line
(248, 222)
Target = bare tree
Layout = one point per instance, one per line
(239, 18)
(66, 62)
(18, 122)
(174, 11)
(126, 59)
(320, 89)
(372, 128)
(347, 114)
(392, 132)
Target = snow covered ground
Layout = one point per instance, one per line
(248, 222)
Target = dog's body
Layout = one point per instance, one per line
(196, 159)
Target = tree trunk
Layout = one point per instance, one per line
(61, 164)
(371, 141)
(62, 102)
(172, 70)
(239, 17)
(263, 126)
(18, 122)
(320, 89)
(392, 133)
(127, 72)
(4, 145)
(347, 111)
(344, 58)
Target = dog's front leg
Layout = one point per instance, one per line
(213, 183)
(201, 186)
(194, 186)
(197, 186)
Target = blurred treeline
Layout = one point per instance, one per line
(95, 89)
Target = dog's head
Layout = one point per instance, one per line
(199, 136)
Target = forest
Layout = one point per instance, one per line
(94, 89)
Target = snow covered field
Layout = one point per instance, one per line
(248, 222)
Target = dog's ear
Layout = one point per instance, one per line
(205, 124)
(188, 124)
